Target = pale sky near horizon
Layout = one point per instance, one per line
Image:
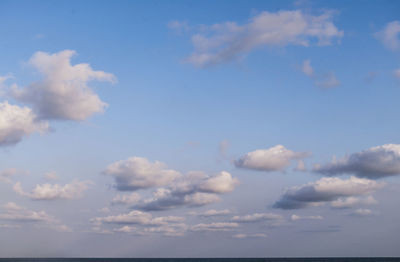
(199, 128)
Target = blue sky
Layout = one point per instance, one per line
(122, 124)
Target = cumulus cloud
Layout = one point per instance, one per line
(390, 36)
(296, 217)
(362, 212)
(54, 191)
(193, 189)
(128, 199)
(256, 235)
(17, 122)
(257, 217)
(62, 93)
(349, 202)
(218, 226)
(51, 176)
(221, 43)
(307, 68)
(373, 163)
(276, 158)
(326, 189)
(139, 173)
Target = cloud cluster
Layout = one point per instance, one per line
(193, 189)
(54, 191)
(17, 122)
(276, 158)
(139, 173)
(373, 163)
(390, 35)
(127, 199)
(349, 202)
(226, 41)
(17, 214)
(326, 189)
(63, 93)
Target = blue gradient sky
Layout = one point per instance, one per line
(163, 108)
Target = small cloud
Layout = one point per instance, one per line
(390, 36)
(296, 217)
(256, 235)
(51, 176)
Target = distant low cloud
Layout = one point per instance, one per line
(213, 213)
(390, 36)
(139, 173)
(63, 93)
(193, 189)
(376, 162)
(7, 174)
(362, 212)
(255, 235)
(397, 73)
(326, 189)
(296, 217)
(18, 122)
(218, 226)
(54, 191)
(257, 217)
(224, 42)
(20, 215)
(276, 158)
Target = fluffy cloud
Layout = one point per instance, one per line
(325, 190)
(193, 189)
(296, 217)
(272, 159)
(349, 202)
(54, 191)
(373, 163)
(17, 122)
(390, 35)
(257, 217)
(15, 213)
(224, 42)
(128, 199)
(139, 173)
(63, 93)
(219, 226)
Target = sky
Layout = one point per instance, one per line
(199, 128)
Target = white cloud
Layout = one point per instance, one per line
(226, 41)
(219, 226)
(51, 176)
(326, 189)
(139, 173)
(307, 68)
(127, 199)
(193, 189)
(390, 35)
(257, 217)
(373, 163)
(276, 158)
(6, 174)
(349, 202)
(54, 191)
(213, 213)
(296, 217)
(362, 212)
(17, 122)
(63, 93)
(137, 217)
(256, 235)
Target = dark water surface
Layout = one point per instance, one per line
(342, 259)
